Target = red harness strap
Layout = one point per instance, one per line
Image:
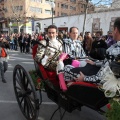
(85, 84)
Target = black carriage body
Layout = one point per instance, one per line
(76, 96)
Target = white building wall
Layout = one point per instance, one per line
(116, 3)
(77, 21)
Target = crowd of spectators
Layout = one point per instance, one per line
(95, 44)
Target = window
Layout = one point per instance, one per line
(47, 1)
(35, 9)
(36, 1)
(0, 25)
(64, 6)
(73, 1)
(72, 8)
(83, 5)
(48, 11)
(63, 14)
(5, 9)
(18, 8)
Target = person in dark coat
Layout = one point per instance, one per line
(22, 39)
(27, 44)
(99, 47)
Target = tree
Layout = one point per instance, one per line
(19, 14)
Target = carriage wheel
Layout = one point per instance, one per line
(25, 93)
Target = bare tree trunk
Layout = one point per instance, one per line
(19, 27)
(86, 9)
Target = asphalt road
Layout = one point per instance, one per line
(9, 109)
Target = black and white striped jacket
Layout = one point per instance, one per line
(73, 48)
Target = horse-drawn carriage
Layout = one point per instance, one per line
(77, 94)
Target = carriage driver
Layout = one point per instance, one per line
(49, 50)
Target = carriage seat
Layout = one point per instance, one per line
(52, 76)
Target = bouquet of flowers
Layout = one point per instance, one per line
(113, 109)
(111, 88)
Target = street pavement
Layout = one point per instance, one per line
(9, 109)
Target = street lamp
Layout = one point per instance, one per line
(52, 9)
(10, 24)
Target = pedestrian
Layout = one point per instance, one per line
(88, 43)
(110, 41)
(99, 46)
(3, 59)
(27, 44)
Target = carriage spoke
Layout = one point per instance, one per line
(18, 79)
(32, 99)
(26, 108)
(25, 105)
(19, 74)
(31, 107)
(23, 79)
(25, 83)
(21, 100)
(18, 88)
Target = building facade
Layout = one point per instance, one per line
(71, 7)
(22, 12)
(19, 15)
(115, 3)
(97, 21)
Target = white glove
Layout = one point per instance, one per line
(60, 67)
(44, 60)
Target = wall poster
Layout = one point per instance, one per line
(96, 25)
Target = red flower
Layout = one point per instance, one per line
(38, 80)
(108, 106)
